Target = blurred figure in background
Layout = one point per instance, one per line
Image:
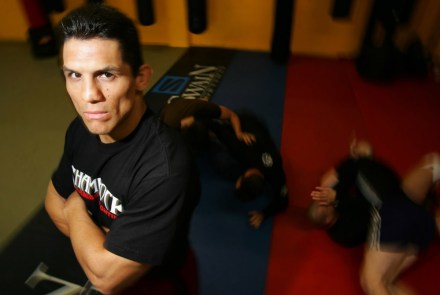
(251, 166)
(363, 200)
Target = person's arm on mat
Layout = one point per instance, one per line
(231, 116)
(280, 201)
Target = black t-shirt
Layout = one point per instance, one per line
(353, 204)
(181, 108)
(143, 188)
(263, 154)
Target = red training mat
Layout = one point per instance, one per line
(327, 103)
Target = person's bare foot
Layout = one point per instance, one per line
(360, 148)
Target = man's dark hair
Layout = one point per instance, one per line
(96, 20)
(251, 186)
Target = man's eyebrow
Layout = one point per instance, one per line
(105, 69)
(66, 69)
(109, 69)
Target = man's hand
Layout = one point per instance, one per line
(247, 138)
(255, 219)
(187, 121)
(324, 195)
(232, 117)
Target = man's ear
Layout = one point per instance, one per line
(143, 77)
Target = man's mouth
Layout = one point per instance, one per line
(95, 115)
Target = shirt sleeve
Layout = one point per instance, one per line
(62, 176)
(206, 110)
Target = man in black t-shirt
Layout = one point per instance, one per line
(126, 186)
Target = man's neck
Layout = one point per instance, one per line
(129, 125)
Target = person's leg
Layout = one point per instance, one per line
(418, 181)
(380, 271)
(397, 288)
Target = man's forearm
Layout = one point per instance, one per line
(54, 205)
(107, 271)
(231, 116)
(236, 125)
(87, 239)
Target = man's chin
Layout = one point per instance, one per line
(97, 128)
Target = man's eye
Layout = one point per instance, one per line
(106, 75)
(74, 75)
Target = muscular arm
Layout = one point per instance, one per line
(54, 205)
(108, 272)
(227, 114)
(330, 178)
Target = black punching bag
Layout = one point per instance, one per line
(379, 58)
(341, 8)
(40, 32)
(280, 49)
(145, 12)
(197, 16)
(53, 5)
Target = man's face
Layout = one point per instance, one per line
(102, 87)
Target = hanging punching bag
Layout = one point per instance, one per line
(197, 16)
(280, 48)
(145, 12)
(40, 32)
(53, 5)
(379, 58)
(341, 8)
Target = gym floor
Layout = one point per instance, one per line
(34, 113)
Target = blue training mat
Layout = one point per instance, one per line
(233, 257)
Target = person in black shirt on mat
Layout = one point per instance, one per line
(251, 166)
(242, 148)
(363, 200)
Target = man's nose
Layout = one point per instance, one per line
(92, 91)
